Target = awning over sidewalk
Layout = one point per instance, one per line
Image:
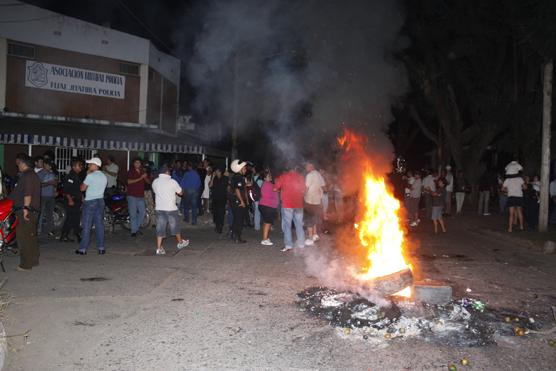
(16, 130)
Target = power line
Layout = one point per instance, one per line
(127, 9)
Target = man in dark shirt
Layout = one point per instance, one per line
(27, 202)
(219, 195)
(72, 201)
(136, 180)
(239, 203)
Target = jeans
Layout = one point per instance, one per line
(136, 209)
(47, 209)
(218, 213)
(502, 199)
(295, 215)
(484, 198)
(460, 197)
(93, 214)
(448, 205)
(189, 202)
(257, 216)
(167, 219)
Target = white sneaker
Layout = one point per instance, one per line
(267, 242)
(413, 224)
(182, 244)
(309, 242)
(160, 251)
(316, 237)
(286, 248)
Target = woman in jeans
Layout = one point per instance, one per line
(268, 205)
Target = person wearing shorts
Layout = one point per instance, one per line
(268, 205)
(166, 190)
(514, 187)
(438, 199)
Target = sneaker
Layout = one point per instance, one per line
(160, 251)
(267, 242)
(316, 237)
(309, 242)
(413, 224)
(286, 248)
(182, 244)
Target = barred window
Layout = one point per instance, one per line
(21, 50)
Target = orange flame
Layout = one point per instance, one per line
(378, 225)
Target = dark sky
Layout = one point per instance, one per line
(139, 17)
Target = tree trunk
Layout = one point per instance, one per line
(545, 159)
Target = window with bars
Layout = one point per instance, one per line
(63, 156)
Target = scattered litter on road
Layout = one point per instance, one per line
(462, 322)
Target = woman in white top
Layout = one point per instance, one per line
(514, 188)
(205, 196)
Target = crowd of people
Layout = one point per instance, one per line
(297, 198)
(236, 198)
(434, 192)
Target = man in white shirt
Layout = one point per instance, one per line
(414, 198)
(314, 184)
(111, 171)
(514, 188)
(166, 189)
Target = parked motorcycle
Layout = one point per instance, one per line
(117, 213)
(8, 223)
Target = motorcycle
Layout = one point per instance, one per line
(116, 212)
(8, 223)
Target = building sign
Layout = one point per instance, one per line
(74, 80)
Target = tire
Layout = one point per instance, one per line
(108, 221)
(58, 216)
(147, 220)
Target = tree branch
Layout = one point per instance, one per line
(428, 133)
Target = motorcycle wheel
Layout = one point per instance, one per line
(108, 221)
(58, 216)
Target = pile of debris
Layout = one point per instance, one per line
(463, 322)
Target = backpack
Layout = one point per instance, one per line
(255, 192)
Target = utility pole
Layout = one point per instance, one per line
(545, 160)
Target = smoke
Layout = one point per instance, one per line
(333, 270)
(297, 70)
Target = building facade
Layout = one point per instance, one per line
(75, 86)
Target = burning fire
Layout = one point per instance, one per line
(378, 225)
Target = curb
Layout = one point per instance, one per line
(3, 346)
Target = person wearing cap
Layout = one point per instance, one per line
(94, 186)
(27, 201)
(239, 201)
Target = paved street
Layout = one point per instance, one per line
(217, 305)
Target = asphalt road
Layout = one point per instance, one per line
(217, 305)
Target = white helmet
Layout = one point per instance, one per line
(236, 166)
